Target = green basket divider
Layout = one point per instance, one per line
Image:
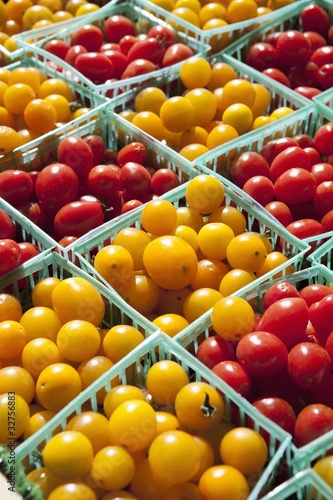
(324, 104)
(305, 485)
(308, 454)
(136, 11)
(133, 369)
(323, 254)
(287, 20)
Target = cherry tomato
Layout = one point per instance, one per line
(295, 186)
(117, 26)
(15, 186)
(150, 49)
(308, 92)
(78, 217)
(291, 157)
(262, 55)
(308, 364)
(327, 221)
(292, 48)
(305, 74)
(34, 212)
(135, 179)
(95, 66)
(246, 165)
(260, 188)
(58, 48)
(315, 18)
(56, 185)
(305, 228)
(126, 42)
(313, 421)
(280, 211)
(287, 319)
(214, 349)
(10, 253)
(235, 375)
(321, 317)
(164, 34)
(323, 198)
(324, 139)
(275, 146)
(313, 155)
(135, 151)
(322, 55)
(163, 180)
(315, 39)
(7, 226)
(73, 52)
(98, 147)
(137, 68)
(277, 75)
(104, 180)
(278, 410)
(130, 205)
(119, 61)
(314, 293)
(325, 76)
(277, 291)
(322, 171)
(176, 53)
(77, 154)
(88, 35)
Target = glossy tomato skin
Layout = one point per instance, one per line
(292, 48)
(104, 180)
(315, 18)
(73, 52)
(117, 26)
(305, 228)
(278, 291)
(329, 346)
(325, 76)
(34, 212)
(88, 35)
(278, 75)
(246, 165)
(324, 139)
(323, 198)
(214, 349)
(287, 319)
(278, 410)
(135, 151)
(321, 317)
(56, 185)
(119, 61)
(304, 140)
(261, 353)
(95, 66)
(97, 145)
(234, 375)
(7, 226)
(10, 253)
(304, 74)
(15, 186)
(150, 49)
(295, 186)
(275, 146)
(78, 217)
(163, 180)
(262, 55)
(58, 48)
(77, 154)
(308, 364)
(126, 42)
(135, 180)
(327, 221)
(260, 188)
(176, 53)
(313, 421)
(164, 34)
(130, 205)
(322, 55)
(280, 211)
(314, 293)
(137, 68)
(292, 157)
(322, 171)
(315, 39)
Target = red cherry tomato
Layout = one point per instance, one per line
(308, 92)
(176, 53)
(95, 66)
(260, 188)
(321, 317)
(163, 180)
(305, 74)
(278, 410)
(135, 151)
(214, 349)
(323, 198)
(322, 172)
(135, 180)
(98, 147)
(56, 185)
(308, 364)
(295, 186)
(126, 42)
(150, 49)
(88, 35)
(313, 421)
(10, 253)
(292, 48)
(327, 221)
(7, 226)
(322, 55)
(278, 291)
(275, 146)
(314, 293)
(58, 48)
(73, 53)
(315, 39)
(234, 374)
(246, 165)
(324, 139)
(117, 26)
(131, 205)
(262, 55)
(119, 61)
(277, 75)
(77, 154)
(325, 76)
(280, 211)
(34, 212)
(15, 186)
(315, 18)
(104, 180)
(305, 228)
(78, 217)
(137, 68)
(164, 34)
(289, 158)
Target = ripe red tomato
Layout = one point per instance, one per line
(304, 140)
(88, 35)
(262, 55)
(131, 205)
(10, 253)
(315, 18)
(119, 61)
(322, 55)
(325, 76)
(324, 139)
(95, 66)
(329, 347)
(7, 226)
(150, 49)
(214, 349)
(314, 156)
(137, 68)
(321, 317)
(104, 180)
(28, 251)
(280, 211)
(275, 146)
(56, 185)
(323, 198)
(305, 228)
(261, 353)
(327, 221)
(117, 26)
(277, 75)
(278, 410)
(135, 151)
(322, 172)
(73, 52)
(56, 47)
(234, 374)
(77, 154)
(34, 212)
(291, 157)
(126, 42)
(315, 39)
(305, 74)
(308, 92)
(15, 186)
(98, 147)
(246, 165)
(308, 364)
(163, 180)
(293, 48)
(135, 180)
(313, 421)
(277, 291)
(260, 188)
(295, 186)
(287, 319)
(78, 217)
(176, 53)
(314, 292)
(164, 34)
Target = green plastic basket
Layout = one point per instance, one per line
(116, 134)
(135, 11)
(324, 104)
(323, 254)
(305, 485)
(132, 369)
(289, 19)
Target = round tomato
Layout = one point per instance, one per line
(56, 185)
(150, 49)
(163, 180)
(295, 186)
(176, 53)
(138, 67)
(135, 152)
(117, 26)
(15, 186)
(95, 66)
(308, 364)
(10, 253)
(89, 36)
(104, 180)
(77, 154)
(7, 226)
(261, 55)
(292, 48)
(313, 421)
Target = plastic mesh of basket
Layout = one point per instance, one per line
(55, 265)
(323, 254)
(305, 485)
(134, 11)
(133, 368)
(324, 104)
(116, 133)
